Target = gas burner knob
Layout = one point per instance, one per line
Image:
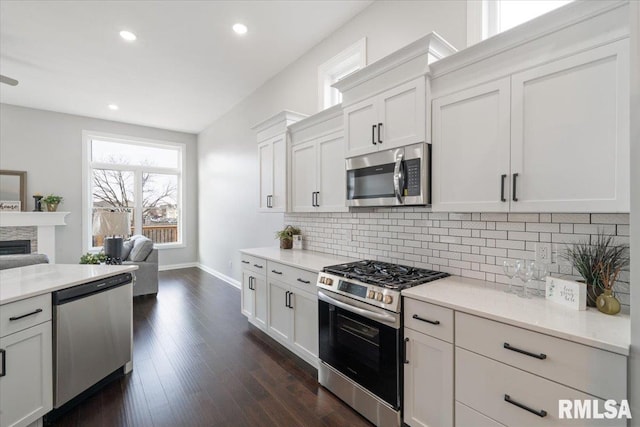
(328, 281)
(388, 299)
(371, 294)
(378, 296)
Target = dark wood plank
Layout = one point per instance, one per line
(197, 362)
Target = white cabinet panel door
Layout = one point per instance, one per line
(471, 143)
(265, 152)
(279, 314)
(331, 175)
(247, 295)
(360, 133)
(303, 176)
(260, 301)
(279, 202)
(26, 390)
(570, 133)
(402, 115)
(428, 381)
(305, 323)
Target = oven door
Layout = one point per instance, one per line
(363, 343)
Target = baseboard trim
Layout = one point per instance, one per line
(233, 282)
(177, 266)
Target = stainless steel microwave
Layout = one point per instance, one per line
(395, 177)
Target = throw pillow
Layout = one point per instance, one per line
(127, 245)
(142, 247)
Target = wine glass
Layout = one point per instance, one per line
(511, 271)
(540, 271)
(525, 273)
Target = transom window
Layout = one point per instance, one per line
(346, 62)
(141, 177)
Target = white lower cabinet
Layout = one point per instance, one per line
(279, 323)
(254, 298)
(467, 417)
(26, 390)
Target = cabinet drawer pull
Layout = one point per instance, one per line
(244, 262)
(276, 272)
(3, 367)
(379, 128)
(503, 178)
(373, 134)
(257, 265)
(422, 319)
(303, 281)
(515, 196)
(541, 413)
(36, 311)
(540, 356)
(406, 361)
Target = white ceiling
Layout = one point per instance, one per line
(186, 69)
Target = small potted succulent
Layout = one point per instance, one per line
(52, 202)
(90, 258)
(286, 236)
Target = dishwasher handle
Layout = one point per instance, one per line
(86, 289)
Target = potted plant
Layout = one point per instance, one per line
(286, 236)
(90, 258)
(52, 202)
(599, 264)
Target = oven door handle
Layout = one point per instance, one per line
(397, 176)
(387, 318)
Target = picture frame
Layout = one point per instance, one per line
(10, 206)
(13, 187)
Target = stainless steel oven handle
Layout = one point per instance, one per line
(362, 312)
(397, 174)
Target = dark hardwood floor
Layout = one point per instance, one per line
(198, 363)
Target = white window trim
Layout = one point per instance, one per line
(354, 56)
(87, 136)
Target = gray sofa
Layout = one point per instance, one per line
(139, 251)
(15, 261)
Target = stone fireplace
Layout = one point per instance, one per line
(38, 228)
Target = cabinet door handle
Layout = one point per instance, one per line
(406, 361)
(3, 367)
(541, 413)
(36, 311)
(317, 202)
(540, 356)
(286, 299)
(303, 281)
(276, 272)
(252, 283)
(515, 196)
(244, 262)
(379, 128)
(422, 319)
(503, 178)
(257, 265)
(373, 134)
(290, 305)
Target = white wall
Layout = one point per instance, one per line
(634, 365)
(48, 146)
(227, 150)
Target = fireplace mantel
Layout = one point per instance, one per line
(45, 222)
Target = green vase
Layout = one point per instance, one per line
(607, 303)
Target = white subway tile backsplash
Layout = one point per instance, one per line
(467, 244)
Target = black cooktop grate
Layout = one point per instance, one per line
(387, 275)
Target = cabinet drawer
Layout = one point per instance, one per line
(259, 265)
(429, 319)
(25, 313)
(302, 279)
(485, 385)
(566, 362)
(467, 417)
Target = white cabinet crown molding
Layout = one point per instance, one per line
(320, 117)
(284, 115)
(431, 44)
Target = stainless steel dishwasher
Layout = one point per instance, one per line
(92, 327)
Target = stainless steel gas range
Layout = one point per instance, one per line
(360, 321)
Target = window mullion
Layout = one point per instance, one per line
(137, 222)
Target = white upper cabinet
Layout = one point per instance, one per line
(537, 121)
(272, 152)
(318, 176)
(385, 103)
(471, 149)
(570, 133)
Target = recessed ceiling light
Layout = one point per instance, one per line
(128, 35)
(113, 107)
(240, 28)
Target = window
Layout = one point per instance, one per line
(346, 62)
(141, 177)
(487, 18)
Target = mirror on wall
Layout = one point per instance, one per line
(13, 188)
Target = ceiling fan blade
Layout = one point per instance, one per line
(8, 80)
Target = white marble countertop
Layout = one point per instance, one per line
(477, 297)
(25, 282)
(306, 260)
